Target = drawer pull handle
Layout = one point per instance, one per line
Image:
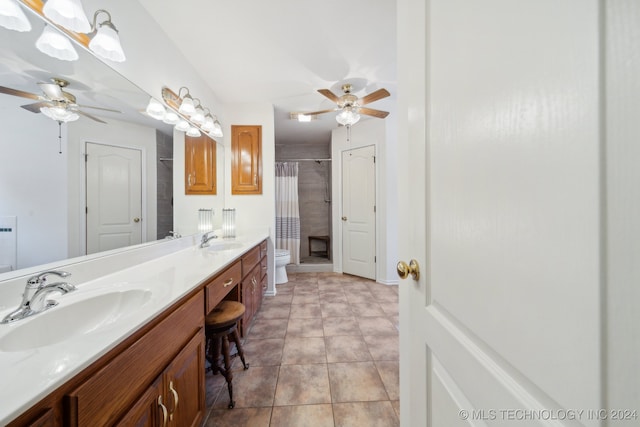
(175, 400)
(164, 411)
(228, 282)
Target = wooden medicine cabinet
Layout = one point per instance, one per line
(246, 162)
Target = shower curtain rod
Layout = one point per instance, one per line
(303, 160)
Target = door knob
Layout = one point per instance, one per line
(136, 219)
(344, 218)
(405, 270)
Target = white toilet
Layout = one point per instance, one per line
(282, 259)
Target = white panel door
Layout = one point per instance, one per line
(358, 212)
(114, 197)
(499, 203)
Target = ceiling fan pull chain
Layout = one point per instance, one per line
(60, 137)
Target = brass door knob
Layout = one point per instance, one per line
(405, 270)
(136, 219)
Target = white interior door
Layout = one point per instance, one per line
(358, 212)
(114, 197)
(499, 204)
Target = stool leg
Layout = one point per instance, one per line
(213, 354)
(227, 369)
(235, 337)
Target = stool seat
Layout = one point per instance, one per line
(224, 314)
(221, 327)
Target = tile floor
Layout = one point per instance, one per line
(323, 352)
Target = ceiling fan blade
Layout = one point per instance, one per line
(99, 108)
(375, 113)
(52, 90)
(374, 96)
(90, 116)
(16, 92)
(35, 107)
(329, 94)
(315, 113)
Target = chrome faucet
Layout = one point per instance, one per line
(35, 292)
(206, 237)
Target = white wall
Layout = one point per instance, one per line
(33, 188)
(382, 134)
(117, 133)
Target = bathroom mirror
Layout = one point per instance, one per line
(43, 169)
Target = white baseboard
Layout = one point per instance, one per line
(310, 268)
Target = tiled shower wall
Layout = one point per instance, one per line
(314, 190)
(165, 183)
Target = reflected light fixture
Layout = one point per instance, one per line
(53, 43)
(304, 118)
(171, 118)
(208, 124)
(193, 131)
(348, 116)
(67, 13)
(59, 113)
(155, 109)
(183, 126)
(198, 116)
(217, 129)
(187, 107)
(105, 41)
(12, 17)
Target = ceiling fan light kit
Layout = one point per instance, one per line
(59, 114)
(12, 17)
(349, 106)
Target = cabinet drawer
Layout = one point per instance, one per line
(219, 287)
(250, 260)
(104, 397)
(263, 249)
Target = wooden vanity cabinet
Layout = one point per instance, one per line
(254, 283)
(200, 165)
(246, 159)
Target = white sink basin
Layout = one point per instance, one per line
(223, 246)
(77, 318)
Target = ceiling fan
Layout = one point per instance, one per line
(55, 102)
(350, 106)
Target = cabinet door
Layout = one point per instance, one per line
(246, 163)
(246, 296)
(184, 384)
(200, 165)
(149, 411)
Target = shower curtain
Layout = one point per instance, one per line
(287, 210)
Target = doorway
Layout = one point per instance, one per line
(113, 197)
(359, 212)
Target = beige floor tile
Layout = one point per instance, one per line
(390, 373)
(252, 388)
(359, 297)
(376, 326)
(396, 407)
(311, 298)
(336, 309)
(355, 382)
(365, 414)
(383, 347)
(239, 417)
(347, 349)
(333, 297)
(305, 311)
(302, 384)
(370, 309)
(340, 326)
(390, 308)
(281, 298)
(280, 311)
(269, 328)
(302, 416)
(305, 328)
(263, 352)
(385, 295)
(302, 351)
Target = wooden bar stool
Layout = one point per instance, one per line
(220, 326)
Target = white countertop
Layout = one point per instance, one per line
(27, 376)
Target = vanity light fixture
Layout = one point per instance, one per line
(171, 118)
(105, 41)
(12, 17)
(208, 124)
(187, 107)
(193, 131)
(67, 13)
(53, 43)
(183, 126)
(198, 115)
(155, 109)
(217, 129)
